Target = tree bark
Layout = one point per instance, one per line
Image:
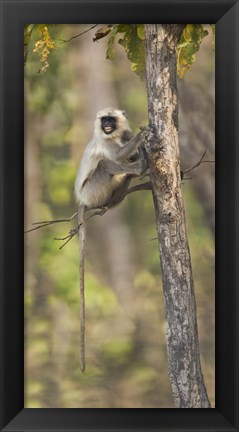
(163, 155)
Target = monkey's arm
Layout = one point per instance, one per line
(125, 152)
(126, 136)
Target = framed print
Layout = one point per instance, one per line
(139, 358)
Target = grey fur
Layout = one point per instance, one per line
(104, 175)
(105, 165)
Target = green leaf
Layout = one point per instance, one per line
(133, 43)
(117, 28)
(134, 47)
(110, 53)
(122, 28)
(140, 31)
(188, 45)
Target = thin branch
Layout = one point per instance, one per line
(142, 186)
(198, 163)
(75, 230)
(70, 236)
(46, 223)
(120, 198)
(98, 211)
(80, 34)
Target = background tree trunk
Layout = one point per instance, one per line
(197, 132)
(163, 154)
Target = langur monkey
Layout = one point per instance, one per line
(111, 159)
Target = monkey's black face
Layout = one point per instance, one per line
(108, 124)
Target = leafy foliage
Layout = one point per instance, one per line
(132, 41)
(44, 45)
(188, 45)
(131, 38)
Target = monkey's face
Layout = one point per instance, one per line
(108, 124)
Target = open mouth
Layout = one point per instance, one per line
(108, 129)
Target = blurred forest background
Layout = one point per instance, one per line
(125, 317)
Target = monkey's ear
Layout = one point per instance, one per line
(124, 113)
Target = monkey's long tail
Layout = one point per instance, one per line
(81, 221)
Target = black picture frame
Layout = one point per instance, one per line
(14, 14)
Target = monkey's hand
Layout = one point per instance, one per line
(150, 139)
(149, 133)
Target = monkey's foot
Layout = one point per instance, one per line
(103, 210)
(99, 212)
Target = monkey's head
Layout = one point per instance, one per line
(110, 123)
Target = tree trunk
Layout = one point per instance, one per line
(163, 155)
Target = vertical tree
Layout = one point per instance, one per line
(163, 155)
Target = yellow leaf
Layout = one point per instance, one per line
(44, 45)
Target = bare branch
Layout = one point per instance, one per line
(46, 223)
(98, 211)
(80, 34)
(142, 186)
(71, 234)
(197, 164)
